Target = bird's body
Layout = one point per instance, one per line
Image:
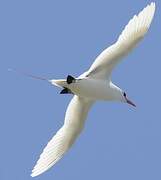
(95, 84)
(93, 89)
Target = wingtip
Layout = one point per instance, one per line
(34, 174)
(153, 5)
(153, 8)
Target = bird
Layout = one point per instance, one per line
(93, 85)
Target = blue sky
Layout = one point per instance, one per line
(56, 38)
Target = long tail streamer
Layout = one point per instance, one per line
(28, 75)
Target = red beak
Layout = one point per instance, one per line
(130, 102)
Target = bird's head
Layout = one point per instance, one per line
(126, 99)
(119, 95)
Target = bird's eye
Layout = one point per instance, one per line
(124, 94)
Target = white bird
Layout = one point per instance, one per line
(95, 84)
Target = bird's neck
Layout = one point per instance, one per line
(116, 92)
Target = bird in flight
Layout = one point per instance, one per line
(94, 84)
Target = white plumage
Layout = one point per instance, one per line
(93, 85)
(130, 36)
(74, 121)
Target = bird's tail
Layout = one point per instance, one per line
(28, 75)
(63, 82)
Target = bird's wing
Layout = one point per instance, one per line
(130, 36)
(74, 120)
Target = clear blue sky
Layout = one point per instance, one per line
(56, 38)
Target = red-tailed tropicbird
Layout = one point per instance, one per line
(94, 84)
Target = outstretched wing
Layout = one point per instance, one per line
(130, 36)
(74, 120)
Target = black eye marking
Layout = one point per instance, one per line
(124, 94)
